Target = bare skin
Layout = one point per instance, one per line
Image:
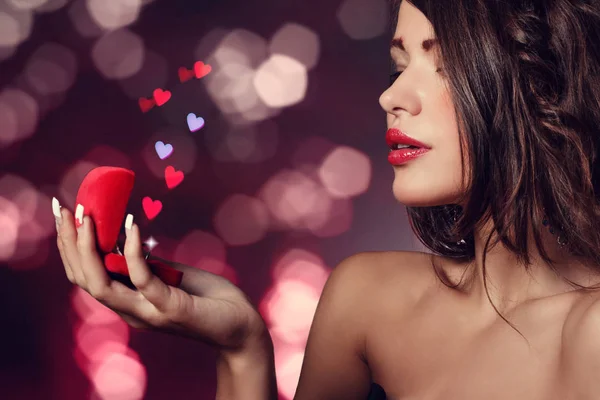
(430, 342)
(426, 341)
(385, 317)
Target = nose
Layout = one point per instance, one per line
(399, 97)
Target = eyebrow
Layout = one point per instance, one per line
(398, 43)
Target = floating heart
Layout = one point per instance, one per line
(172, 177)
(151, 207)
(161, 96)
(201, 69)
(163, 150)
(146, 104)
(185, 74)
(194, 123)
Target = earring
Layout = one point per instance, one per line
(454, 218)
(560, 239)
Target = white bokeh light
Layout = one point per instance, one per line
(297, 41)
(119, 54)
(232, 84)
(51, 6)
(15, 25)
(281, 81)
(9, 30)
(26, 4)
(114, 14)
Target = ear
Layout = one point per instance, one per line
(104, 194)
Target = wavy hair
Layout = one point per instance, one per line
(528, 110)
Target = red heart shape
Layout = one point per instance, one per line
(151, 207)
(172, 177)
(161, 96)
(146, 104)
(185, 74)
(104, 193)
(201, 69)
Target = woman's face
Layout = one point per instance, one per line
(418, 103)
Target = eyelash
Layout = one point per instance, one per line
(396, 74)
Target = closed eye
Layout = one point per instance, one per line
(396, 74)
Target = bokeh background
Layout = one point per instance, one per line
(287, 175)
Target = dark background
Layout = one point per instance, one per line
(38, 350)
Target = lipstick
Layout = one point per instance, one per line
(403, 148)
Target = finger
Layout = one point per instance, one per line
(151, 287)
(98, 281)
(61, 251)
(58, 220)
(68, 236)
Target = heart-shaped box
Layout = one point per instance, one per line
(104, 194)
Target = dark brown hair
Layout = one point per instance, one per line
(524, 76)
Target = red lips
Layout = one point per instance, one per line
(396, 136)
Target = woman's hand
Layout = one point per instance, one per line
(205, 307)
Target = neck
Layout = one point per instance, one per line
(509, 284)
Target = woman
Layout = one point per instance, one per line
(504, 101)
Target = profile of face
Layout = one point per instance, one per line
(419, 104)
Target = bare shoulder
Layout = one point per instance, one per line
(386, 280)
(581, 347)
(388, 268)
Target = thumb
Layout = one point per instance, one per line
(148, 284)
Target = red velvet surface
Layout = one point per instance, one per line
(104, 194)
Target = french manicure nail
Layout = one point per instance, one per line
(56, 211)
(79, 213)
(128, 222)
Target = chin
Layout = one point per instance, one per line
(421, 195)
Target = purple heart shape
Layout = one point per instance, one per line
(194, 123)
(163, 150)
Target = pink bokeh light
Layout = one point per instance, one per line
(9, 221)
(19, 113)
(241, 220)
(90, 339)
(295, 201)
(90, 310)
(346, 172)
(119, 377)
(28, 221)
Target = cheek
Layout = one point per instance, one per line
(435, 178)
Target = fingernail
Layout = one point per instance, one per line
(79, 213)
(128, 223)
(56, 211)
